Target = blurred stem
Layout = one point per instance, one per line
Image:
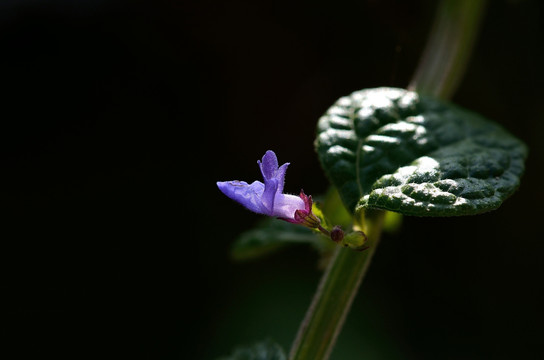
(439, 73)
(448, 48)
(336, 291)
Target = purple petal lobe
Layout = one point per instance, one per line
(280, 175)
(246, 194)
(269, 165)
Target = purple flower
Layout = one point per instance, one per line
(268, 198)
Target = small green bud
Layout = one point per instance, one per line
(355, 240)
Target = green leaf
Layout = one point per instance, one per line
(271, 235)
(266, 350)
(395, 150)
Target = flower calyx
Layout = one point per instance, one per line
(305, 216)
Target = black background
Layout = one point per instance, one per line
(117, 118)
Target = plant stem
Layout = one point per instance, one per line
(336, 291)
(449, 46)
(439, 73)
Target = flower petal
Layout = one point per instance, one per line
(249, 195)
(286, 205)
(269, 169)
(269, 195)
(269, 165)
(280, 175)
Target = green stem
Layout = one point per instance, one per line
(439, 73)
(449, 46)
(336, 291)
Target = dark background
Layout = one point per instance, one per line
(117, 118)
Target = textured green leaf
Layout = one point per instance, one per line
(271, 235)
(266, 350)
(396, 150)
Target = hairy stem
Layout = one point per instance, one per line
(336, 291)
(448, 48)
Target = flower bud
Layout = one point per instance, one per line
(356, 241)
(337, 234)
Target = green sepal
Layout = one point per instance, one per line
(317, 211)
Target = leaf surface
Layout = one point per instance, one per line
(269, 236)
(395, 150)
